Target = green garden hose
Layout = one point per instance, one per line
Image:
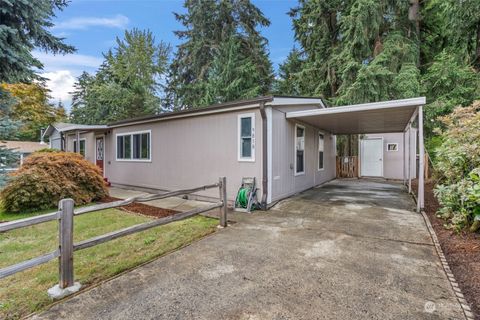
(242, 197)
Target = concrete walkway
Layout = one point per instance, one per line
(347, 250)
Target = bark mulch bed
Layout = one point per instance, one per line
(143, 209)
(462, 251)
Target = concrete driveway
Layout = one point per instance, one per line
(347, 250)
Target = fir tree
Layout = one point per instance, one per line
(24, 26)
(127, 84)
(212, 28)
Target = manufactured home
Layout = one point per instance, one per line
(287, 143)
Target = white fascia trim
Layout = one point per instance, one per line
(360, 107)
(283, 101)
(189, 115)
(131, 146)
(268, 112)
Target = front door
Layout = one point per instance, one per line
(99, 153)
(371, 161)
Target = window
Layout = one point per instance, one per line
(321, 146)
(246, 137)
(392, 146)
(82, 146)
(134, 146)
(299, 149)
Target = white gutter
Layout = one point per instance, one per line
(413, 102)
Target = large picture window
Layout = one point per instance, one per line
(82, 147)
(134, 146)
(299, 149)
(321, 146)
(246, 137)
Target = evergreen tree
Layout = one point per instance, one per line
(24, 25)
(213, 28)
(8, 129)
(128, 83)
(288, 82)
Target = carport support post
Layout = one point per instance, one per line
(404, 164)
(421, 169)
(222, 185)
(409, 158)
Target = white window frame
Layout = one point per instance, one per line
(318, 151)
(239, 137)
(73, 146)
(131, 133)
(394, 143)
(295, 149)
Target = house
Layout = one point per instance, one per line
(287, 143)
(23, 148)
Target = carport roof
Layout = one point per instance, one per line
(377, 117)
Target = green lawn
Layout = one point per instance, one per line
(26, 292)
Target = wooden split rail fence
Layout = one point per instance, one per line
(65, 216)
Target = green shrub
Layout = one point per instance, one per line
(47, 177)
(458, 163)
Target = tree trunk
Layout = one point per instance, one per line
(477, 51)
(414, 17)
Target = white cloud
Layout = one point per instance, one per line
(58, 62)
(60, 84)
(82, 23)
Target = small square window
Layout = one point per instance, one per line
(392, 146)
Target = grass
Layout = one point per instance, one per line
(26, 291)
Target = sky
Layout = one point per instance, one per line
(92, 26)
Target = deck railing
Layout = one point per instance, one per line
(65, 216)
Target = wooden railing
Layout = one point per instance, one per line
(347, 167)
(65, 216)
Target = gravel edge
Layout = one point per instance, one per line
(451, 278)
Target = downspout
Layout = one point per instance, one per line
(264, 156)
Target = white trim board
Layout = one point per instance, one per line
(359, 107)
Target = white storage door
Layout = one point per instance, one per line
(371, 161)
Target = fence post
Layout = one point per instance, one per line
(66, 243)
(222, 186)
(66, 283)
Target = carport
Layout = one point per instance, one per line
(378, 117)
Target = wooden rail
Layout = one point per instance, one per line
(65, 216)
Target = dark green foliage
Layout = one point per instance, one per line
(8, 129)
(47, 177)
(24, 25)
(289, 84)
(447, 83)
(213, 29)
(127, 84)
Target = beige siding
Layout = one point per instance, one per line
(284, 180)
(55, 140)
(393, 160)
(89, 144)
(188, 152)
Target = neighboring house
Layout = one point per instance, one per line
(63, 136)
(23, 148)
(287, 143)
